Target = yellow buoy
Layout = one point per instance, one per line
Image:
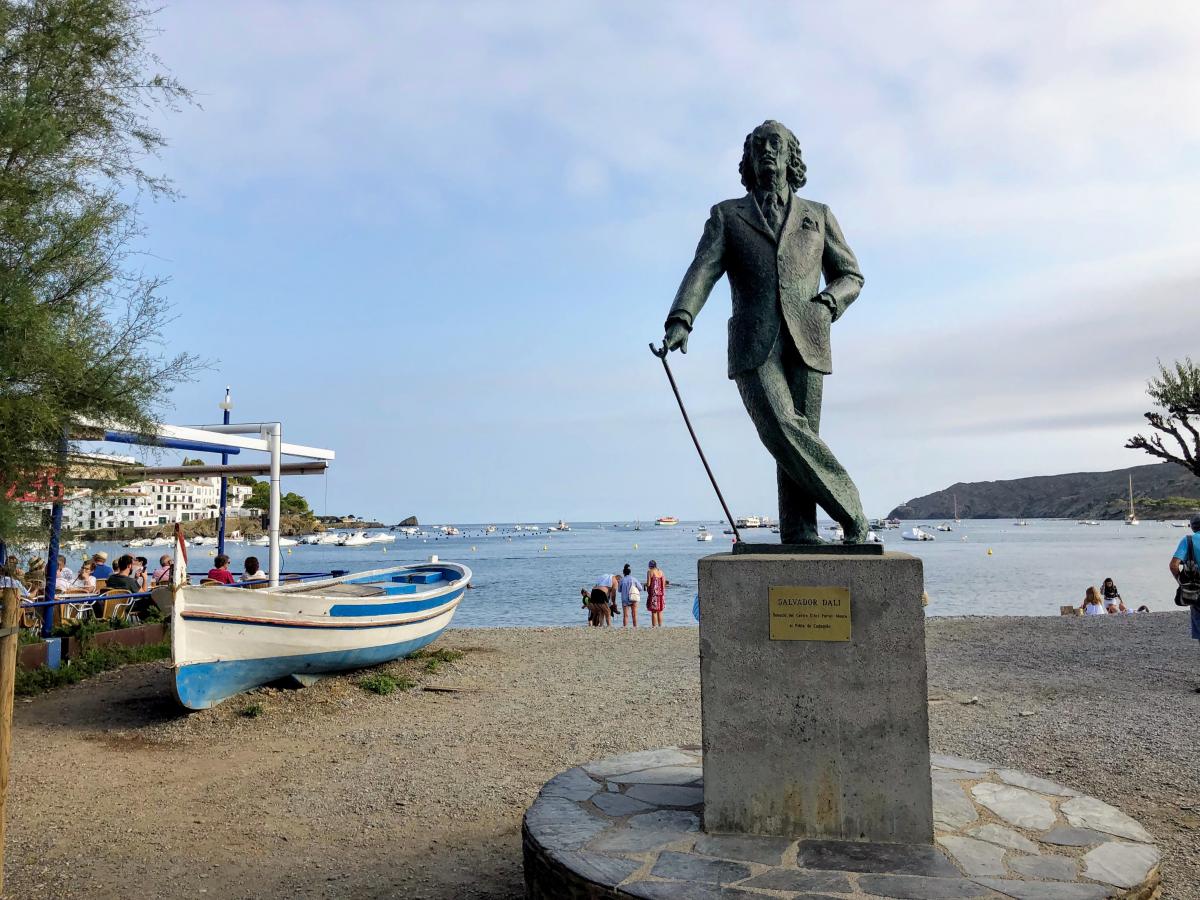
(635, 546)
(544, 547)
(989, 551)
(212, 552)
(472, 549)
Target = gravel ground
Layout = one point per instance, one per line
(334, 792)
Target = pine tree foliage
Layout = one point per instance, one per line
(83, 330)
(1176, 393)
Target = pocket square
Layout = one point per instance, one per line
(809, 225)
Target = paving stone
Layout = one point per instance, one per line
(951, 805)
(1119, 863)
(615, 788)
(887, 859)
(806, 880)
(638, 840)
(643, 759)
(690, 890)
(1065, 836)
(685, 867)
(976, 857)
(598, 867)
(659, 775)
(953, 775)
(573, 784)
(1088, 812)
(1035, 890)
(619, 804)
(562, 824)
(1004, 837)
(746, 847)
(1041, 785)
(666, 794)
(957, 762)
(666, 820)
(1052, 868)
(1015, 805)
(918, 887)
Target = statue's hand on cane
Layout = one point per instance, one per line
(676, 337)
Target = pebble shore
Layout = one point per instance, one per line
(332, 791)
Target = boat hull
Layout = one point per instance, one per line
(229, 640)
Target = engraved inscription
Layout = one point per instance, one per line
(809, 613)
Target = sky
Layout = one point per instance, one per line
(438, 238)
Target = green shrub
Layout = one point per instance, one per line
(91, 662)
(251, 711)
(378, 683)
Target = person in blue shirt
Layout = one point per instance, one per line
(1177, 565)
(103, 569)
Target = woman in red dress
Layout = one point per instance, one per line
(656, 593)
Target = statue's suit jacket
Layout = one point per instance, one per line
(772, 282)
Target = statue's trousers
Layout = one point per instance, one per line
(783, 397)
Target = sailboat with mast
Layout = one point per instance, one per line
(1131, 518)
(956, 518)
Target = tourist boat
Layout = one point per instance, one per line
(704, 535)
(1131, 518)
(916, 534)
(749, 522)
(666, 520)
(226, 639)
(265, 541)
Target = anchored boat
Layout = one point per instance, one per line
(227, 639)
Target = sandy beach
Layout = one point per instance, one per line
(332, 791)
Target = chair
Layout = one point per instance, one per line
(211, 581)
(101, 584)
(117, 604)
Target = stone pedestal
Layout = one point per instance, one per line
(810, 735)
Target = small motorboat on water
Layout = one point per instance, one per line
(561, 526)
(201, 541)
(265, 541)
(138, 543)
(354, 539)
(704, 535)
(916, 534)
(1021, 523)
(945, 526)
(227, 639)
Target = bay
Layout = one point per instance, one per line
(533, 579)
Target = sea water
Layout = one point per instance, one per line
(982, 567)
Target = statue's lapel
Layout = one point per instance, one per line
(796, 211)
(749, 211)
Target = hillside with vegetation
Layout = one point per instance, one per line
(1160, 491)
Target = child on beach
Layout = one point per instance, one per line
(1113, 604)
(656, 593)
(1093, 603)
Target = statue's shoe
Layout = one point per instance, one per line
(801, 537)
(857, 536)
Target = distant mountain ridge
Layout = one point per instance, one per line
(1160, 491)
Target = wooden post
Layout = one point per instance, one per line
(9, 639)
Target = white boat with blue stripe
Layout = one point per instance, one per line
(228, 639)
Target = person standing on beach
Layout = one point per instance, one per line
(656, 593)
(1182, 571)
(631, 593)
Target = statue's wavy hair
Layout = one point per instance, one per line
(796, 170)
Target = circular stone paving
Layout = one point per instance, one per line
(629, 826)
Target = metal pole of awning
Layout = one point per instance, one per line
(226, 406)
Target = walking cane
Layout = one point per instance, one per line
(662, 355)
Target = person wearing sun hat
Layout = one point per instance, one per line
(656, 593)
(103, 569)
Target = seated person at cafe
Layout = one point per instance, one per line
(65, 575)
(251, 571)
(86, 579)
(122, 578)
(101, 568)
(220, 570)
(163, 573)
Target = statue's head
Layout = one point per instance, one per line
(769, 147)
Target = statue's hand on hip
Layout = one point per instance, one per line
(676, 337)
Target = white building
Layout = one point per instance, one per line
(146, 504)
